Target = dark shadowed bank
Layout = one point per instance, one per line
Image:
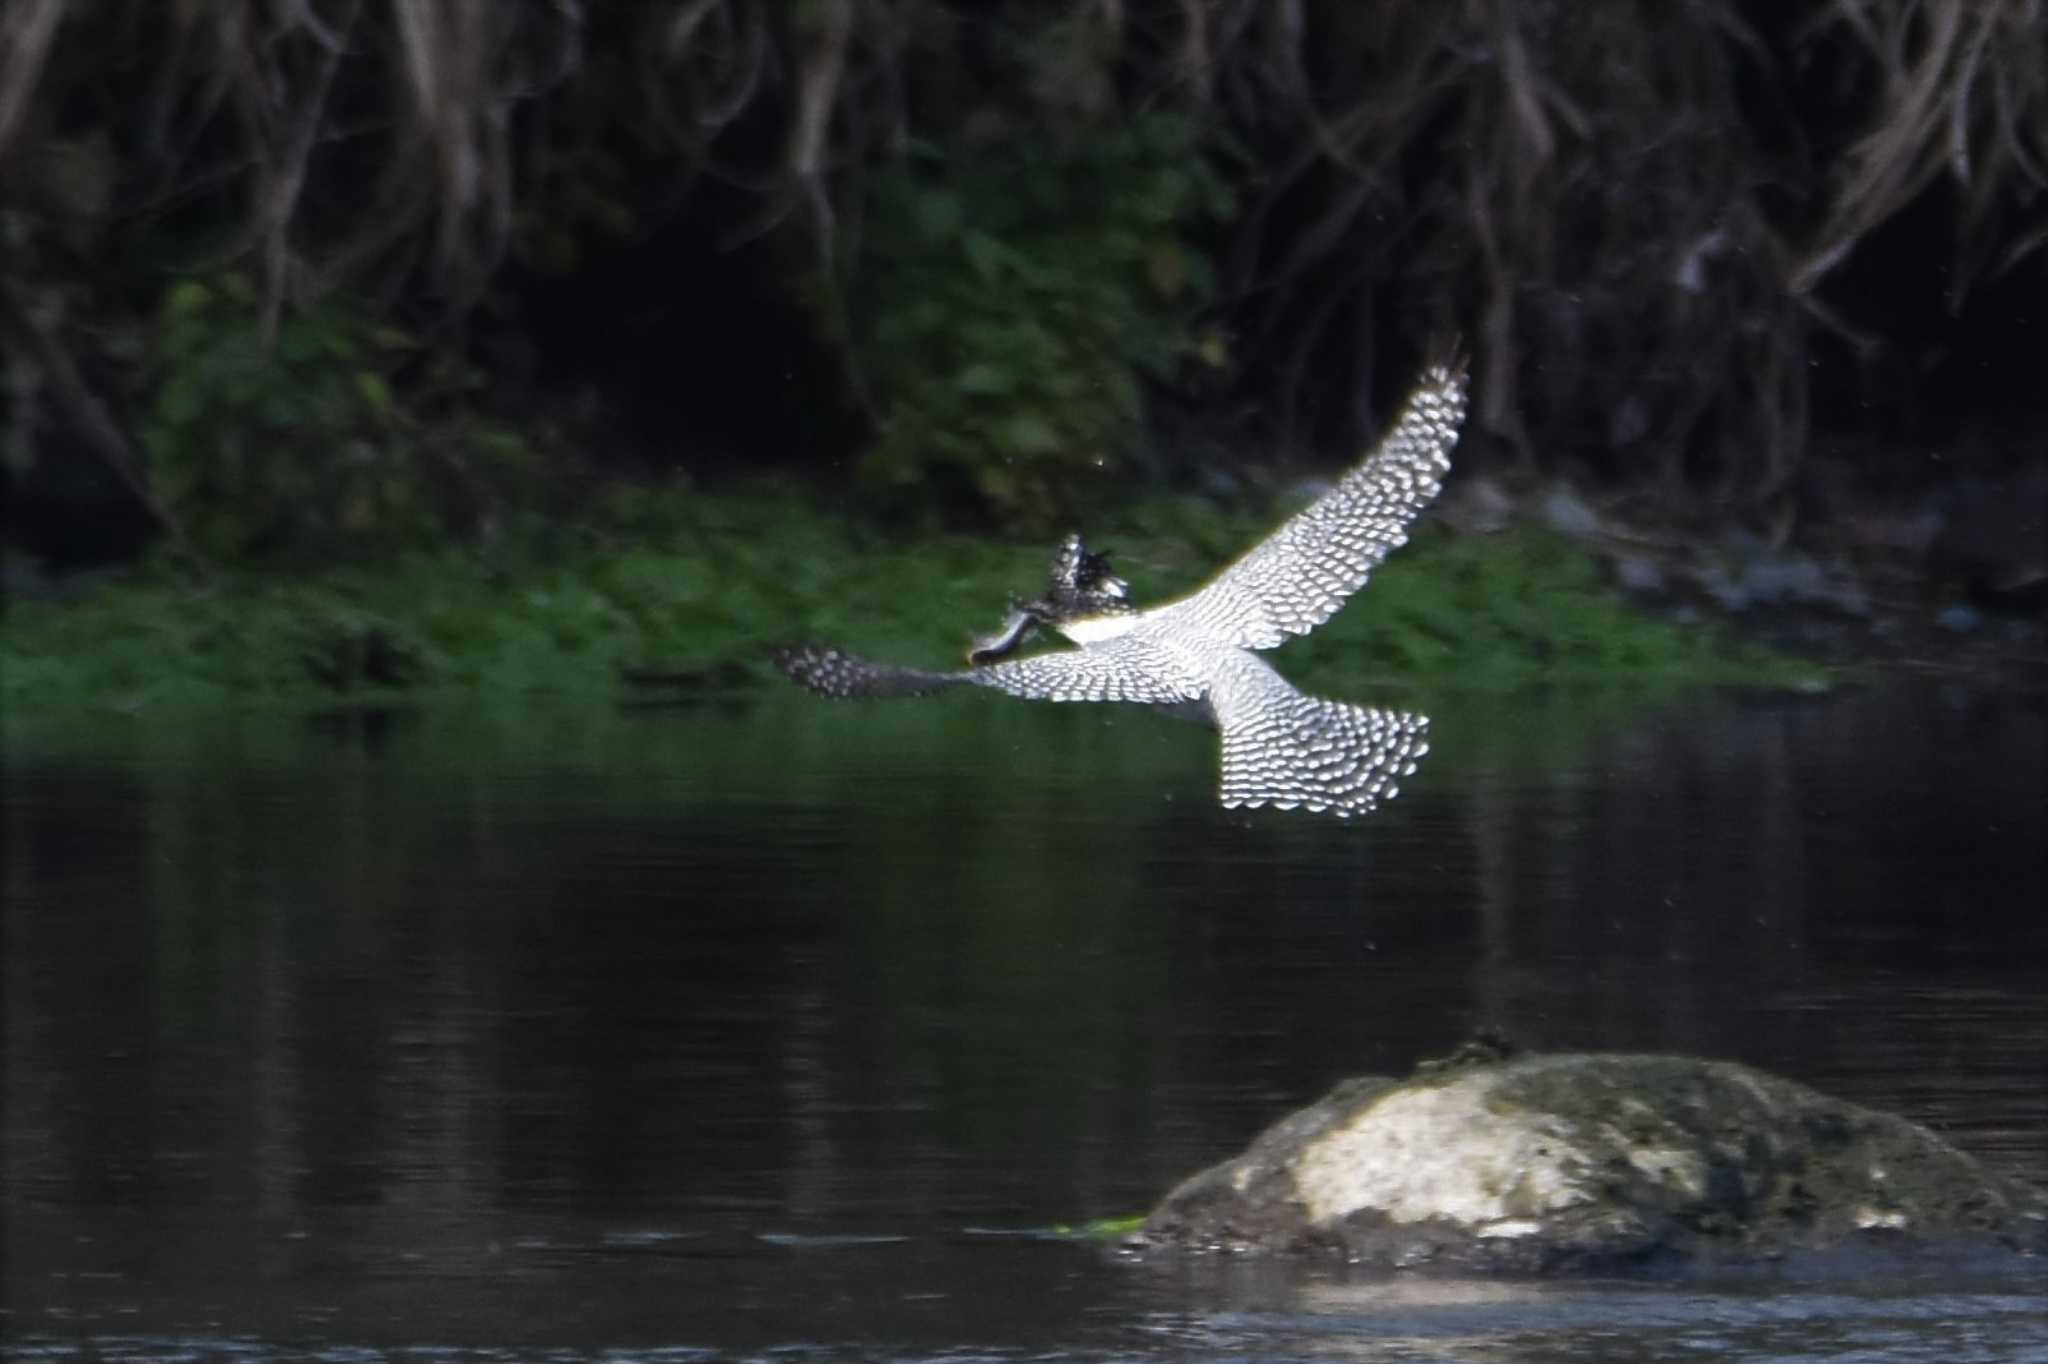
(1760, 288)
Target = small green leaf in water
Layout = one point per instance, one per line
(1102, 1228)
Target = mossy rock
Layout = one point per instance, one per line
(1595, 1162)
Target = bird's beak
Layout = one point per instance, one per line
(988, 648)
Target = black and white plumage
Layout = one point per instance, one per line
(1280, 747)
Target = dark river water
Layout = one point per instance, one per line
(795, 1031)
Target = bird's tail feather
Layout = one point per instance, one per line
(1327, 756)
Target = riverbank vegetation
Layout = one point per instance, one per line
(681, 595)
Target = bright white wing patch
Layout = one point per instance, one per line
(1300, 575)
(1127, 668)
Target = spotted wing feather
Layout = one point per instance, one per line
(1118, 670)
(1300, 575)
(835, 673)
(1128, 668)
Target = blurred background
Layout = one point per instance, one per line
(297, 280)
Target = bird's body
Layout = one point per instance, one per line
(1280, 747)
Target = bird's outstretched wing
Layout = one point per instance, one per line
(1126, 669)
(843, 676)
(1297, 577)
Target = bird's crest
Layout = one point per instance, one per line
(1080, 585)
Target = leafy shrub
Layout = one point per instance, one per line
(1010, 303)
(300, 447)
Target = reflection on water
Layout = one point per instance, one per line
(786, 1025)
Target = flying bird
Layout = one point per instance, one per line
(1280, 747)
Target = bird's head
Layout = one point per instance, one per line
(1082, 585)
(1079, 586)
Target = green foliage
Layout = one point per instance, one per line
(333, 438)
(1521, 610)
(694, 589)
(1009, 304)
(1641, 215)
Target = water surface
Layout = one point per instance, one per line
(794, 1028)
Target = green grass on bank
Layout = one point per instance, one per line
(698, 593)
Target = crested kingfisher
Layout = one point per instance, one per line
(1280, 747)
